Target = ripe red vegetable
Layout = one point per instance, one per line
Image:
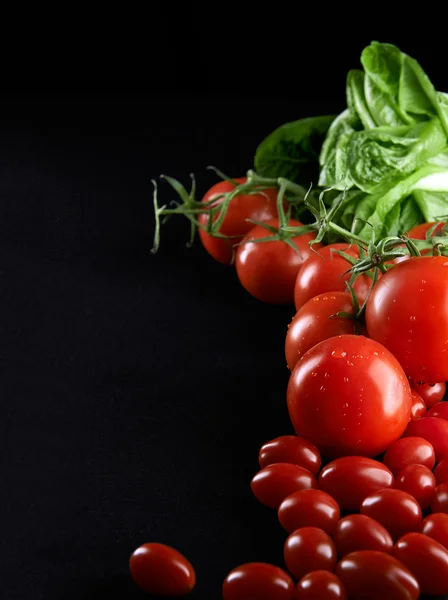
(409, 451)
(291, 449)
(273, 483)
(360, 532)
(439, 502)
(349, 396)
(398, 511)
(419, 231)
(436, 527)
(309, 508)
(161, 570)
(431, 393)
(309, 549)
(418, 408)
(418, 481)
(259, 581)
(441, 472)
(320, 585)
(439, 410)
(434, 430)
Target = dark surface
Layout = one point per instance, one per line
(137, 389)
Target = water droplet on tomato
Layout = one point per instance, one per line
(326, 375)
(338, 353)
(322, 388)
(375, 353)
(314, 374)
(346, 379)
(413, 318)
(350, 364)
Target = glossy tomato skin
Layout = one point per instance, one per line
(315, 321)
(349, 396)
(418, 408)
(434, 430)
(426, 559)
(309, 508)
(409, 451)
(320, 585)
(326, 271)
(396, 510)
(259, 581)
(414, 330)
(441, 472)
(439, 502)
(351, 478)
(291, 449)
(418, 481)
(256, 207)
(419, 231)
(431, 393)
(360, 532)
(268, 270)
(436, 527)
(309, 549)
(162, 570)
(273, 483)
(439, 410)
(373, 575)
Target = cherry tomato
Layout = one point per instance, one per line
(309, 549)
(349, 396)
(426, 559)
(162, 570)
(268, 270)
(434, 430)
(436, 527)
(419, 231)
(315, 321)
(326, 271)
(409, 451)
(360, 532)
(273, 483)
(406, 313)
(309, 508)
(418, 409)
(244, 207)
(418, 481)
(291, 449)
(441, 472)
(320, 585)
(439, 503)
(351, 478)
(259, 581)
(398, 511)
(439, 410)
(431, 393)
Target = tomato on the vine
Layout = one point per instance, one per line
(360, 532)
(439, 502)
(309, 549)
(431, 393)
(418, 481)
(290, 449)
(409, 451)
(419, 231)
(418, 408)
(260, 581)
(398, 511)
(309, 508)
(436, 527)
(273, 483)
(320, 585)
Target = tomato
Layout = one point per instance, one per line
(406, 312)
(351, 478)
(436, 527)
(162, 570)
(439, 503)
(349, 396)
(409, 451)
(268, 270)
(309, 549)
(360, 532)
(398, 511)
(309, 508)
(434, 430)
(259, 581)
(418, 408)
(313, 323)
(426, 559)
(291, 449)
(439, 410)
(418, 481)
(431, 393)
(320, 585)
(255, 207)
(373, 575)
(419, 231)
(273, 483)
(441, 472)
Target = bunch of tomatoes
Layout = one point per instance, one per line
(362, 488)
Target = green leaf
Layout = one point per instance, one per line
(432, 205)
(382, 106)
(356, 100)
(292, 150)
(382, 63)
(410, 215)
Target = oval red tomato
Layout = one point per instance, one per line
(439, 410)
(409, 451)
(418, 408)
(309, 549)
(396, 510)
(418, 481)
(320, 585)
(273, 483)
(349, 396)
(441, 472)
(439, 502)
(291, 449)
(259, 581)
(419, 231)
(436, 527)
(309, 508)
(360, 532)
(434, 430)
(431, 393)
(351, 478)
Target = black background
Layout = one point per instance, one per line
(137, 389)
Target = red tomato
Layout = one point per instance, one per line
(398, 511)
(351, 478)
(268, 270)
(320, 585)
(426, 559)
(313, 323)
(431, 393)
(373, 575)
(309, 508)
(273, 483)
(439, 503)
(439, 410)
(419, 231)
(326, 271)
(418, 481)
(409, 451)
(349, 396)
(418, 409)
(436, 527)
(406, 312)
(291, 449)
(441, 472)
(309, 549)
(360, 532)
(434, 430)
(161, 570)
(259, 581)
(256, 207)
